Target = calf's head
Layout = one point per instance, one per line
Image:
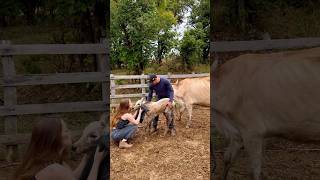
(90, 136)
(140, 103)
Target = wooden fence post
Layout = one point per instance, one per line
(10, 100)
(103, 68)
(169, 76)
(143, 82)
(112, 88)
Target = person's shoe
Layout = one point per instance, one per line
(124, 144)
(173, 132)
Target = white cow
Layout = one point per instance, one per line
(192, 91)
(267, 95)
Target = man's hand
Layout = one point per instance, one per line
(98, 156)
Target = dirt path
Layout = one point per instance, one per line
(154, 157)
(283, 160)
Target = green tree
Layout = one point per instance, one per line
(28, 7)
(141, 31)
(194, 47)
(8, 9)
(166, 36)
(200, 18)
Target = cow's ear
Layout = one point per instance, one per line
(103, 120)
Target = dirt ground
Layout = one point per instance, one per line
(154, 157)
(283, 160)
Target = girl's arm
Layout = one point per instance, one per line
(139, 115)
(131, 118)
(135, 113)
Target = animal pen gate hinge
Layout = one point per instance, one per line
(11, 80)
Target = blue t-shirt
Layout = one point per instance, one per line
(163, 90)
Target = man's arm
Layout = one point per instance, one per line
(170, 89)
(150, 93)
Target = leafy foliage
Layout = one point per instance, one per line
(195, 44)
(250, 19)
(143, 32)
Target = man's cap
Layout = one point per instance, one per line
(152, 77)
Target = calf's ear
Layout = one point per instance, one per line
(103, 119)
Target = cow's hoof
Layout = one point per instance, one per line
(173, 132)
(153, 130)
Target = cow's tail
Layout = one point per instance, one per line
(214, 66)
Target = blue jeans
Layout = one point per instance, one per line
(124, 133)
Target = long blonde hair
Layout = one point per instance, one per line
(123, 108)
(45, 145)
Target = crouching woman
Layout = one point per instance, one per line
(124, 125)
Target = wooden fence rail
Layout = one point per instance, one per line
(141, 85)
(10, 80)
(258, 45)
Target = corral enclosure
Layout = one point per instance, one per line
(134, 86)
(185, 156)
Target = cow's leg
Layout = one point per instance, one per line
(179, 111)
(179, 115)
(254, 148)
(230, 155)
(189, 108)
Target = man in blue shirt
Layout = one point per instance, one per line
(163, 89)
